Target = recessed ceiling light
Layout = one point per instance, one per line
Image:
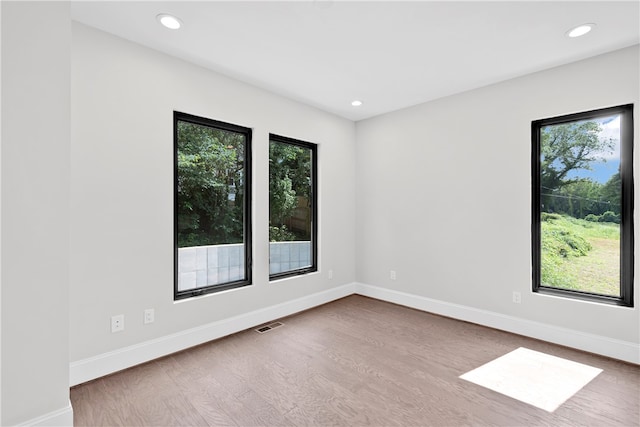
(580, 30)
(356, 103)
(169, 21)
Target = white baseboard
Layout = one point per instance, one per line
(617, 349)
(107, 363)
(98, 366)
(62, 417)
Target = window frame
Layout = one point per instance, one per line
(626, 210)
(247, 236)
(314, 208)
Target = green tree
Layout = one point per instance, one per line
(289, 180)
(579, 198)
(210, 185)
(565, 148)
(612, 192)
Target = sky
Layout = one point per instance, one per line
(601, 172)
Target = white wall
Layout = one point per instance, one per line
(444, 194)
(1, 212)
(36, 53)
(123, 97)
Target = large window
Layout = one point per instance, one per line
(212, 205)
(583, 205)
(292, 207)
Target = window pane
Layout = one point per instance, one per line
(291, 207)
(583, 205)
(210, 205)
(580, 193)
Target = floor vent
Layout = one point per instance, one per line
(270, 326)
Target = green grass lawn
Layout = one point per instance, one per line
(580, 255)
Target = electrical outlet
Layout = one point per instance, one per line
(117, 323)
(392, 274)
(149, 316)
(330, 274)
(517, 297)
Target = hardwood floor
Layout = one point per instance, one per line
(353, 362)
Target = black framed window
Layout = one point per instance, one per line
(293, 207)
(212, 196)
(582, 230)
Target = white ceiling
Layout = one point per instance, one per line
(389, 54)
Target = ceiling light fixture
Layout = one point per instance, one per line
(580, 30)
(356, 103)
(169, 21)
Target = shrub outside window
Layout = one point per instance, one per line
(582, 229)
(212, 205)
(292, 207)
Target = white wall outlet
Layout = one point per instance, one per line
(149, 316)
(392, 274)
(330, 274)
(517, 297)
(117, 323)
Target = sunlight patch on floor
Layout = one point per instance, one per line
(538, 379)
